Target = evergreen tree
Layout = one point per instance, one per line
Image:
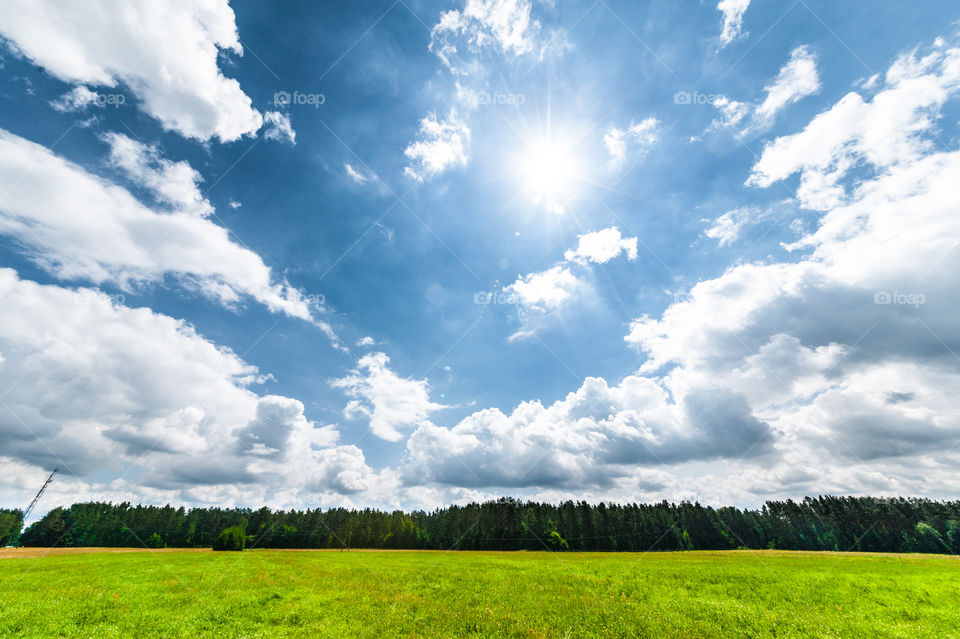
(822, 523)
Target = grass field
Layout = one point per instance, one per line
(412, 594)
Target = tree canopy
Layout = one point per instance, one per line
(821, 523)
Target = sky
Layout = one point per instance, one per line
(408, 254)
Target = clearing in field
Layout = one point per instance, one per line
(191, 593)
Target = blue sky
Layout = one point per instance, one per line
(413, 253)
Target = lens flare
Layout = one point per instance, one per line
(550, 172)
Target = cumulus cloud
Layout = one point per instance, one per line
(544, 290)
(818, 346)
(164, 53)
(732, 11)
(602, 246)
(634, 141)
(465, 40)
(461, 36)
(797, 79)
(278, 127)
(389, 401)
(884, 132)
(591, 438)
(95, 386)
(76, 99)
(343, 470)
(442, 144)
(174, 184)
(732, 112)
(268, 433)
(542, 293)
(834, 369)
(79, 226)
(726, 228)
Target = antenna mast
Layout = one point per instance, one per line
(26, 513)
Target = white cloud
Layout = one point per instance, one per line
(797, 79)
(466, 40)
(76, 99)
(174, 184)
(602, 246)
(163, 52)
(277, 127)
(783, 375)
(389, 401)
(81, 227)
(729, 227)
(367, 178)
(355, 175)
(635, 139)
(732, 11)
(540, 294)
(504, 25)
(732, 112)
(826, 349)
(726, 228)
(442, 144)
(343, 470)
(268, 433)
(546, 290)
(94, 387)
(366, 341)
(591, 438)
(884, 132)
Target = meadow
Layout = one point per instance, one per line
(270, 593)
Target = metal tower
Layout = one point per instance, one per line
(26, 513)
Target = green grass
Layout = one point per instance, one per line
(415, 594)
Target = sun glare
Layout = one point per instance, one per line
(550, 173)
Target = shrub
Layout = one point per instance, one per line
(557, 542)
(232, 538)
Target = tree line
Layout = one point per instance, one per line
(821, 523)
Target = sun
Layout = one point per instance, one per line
(550, 172)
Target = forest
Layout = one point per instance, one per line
(822, 523)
